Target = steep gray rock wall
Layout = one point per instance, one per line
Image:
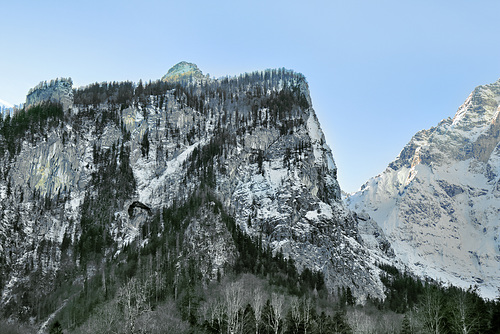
(254, 141)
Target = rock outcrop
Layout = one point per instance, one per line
(183, 71)
(55, 91)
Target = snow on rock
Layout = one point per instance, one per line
(438, 202)
(276, 178)
(5, 104)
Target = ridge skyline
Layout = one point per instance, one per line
(378, 73)
(346, 189)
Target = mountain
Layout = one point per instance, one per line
(438, 203)
(185, 179)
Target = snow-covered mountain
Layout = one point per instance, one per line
(74, 180)
(439, 201)
(4, 104)
(5, 107)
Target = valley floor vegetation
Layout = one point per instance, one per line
(247, 303)
(148, 290)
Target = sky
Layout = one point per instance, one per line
(378, 71)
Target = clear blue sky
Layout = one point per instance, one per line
(378, 71)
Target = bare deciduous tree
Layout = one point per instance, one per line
(165, 319)
(431, 310)
(464, 318)
(277, 311)
(307, 307)
(234, 299)
(257, 303)
(132, 297)
(295, 312)
(213, 312)
(106, 319)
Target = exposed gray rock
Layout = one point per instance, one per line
(56, 91)
(272, 171)
(183, 71)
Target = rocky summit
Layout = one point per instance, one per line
(439, 201)
(56, 91)
(183, 71)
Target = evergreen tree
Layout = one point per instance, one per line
(405, 326)
(56, 328)
(339, 324)
(145, 145)
(350, 300)
(249, 325)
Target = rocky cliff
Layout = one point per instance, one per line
(56, 91)
(438, 202)
(200, 156)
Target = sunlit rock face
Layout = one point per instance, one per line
(183, 71)
(439, 201)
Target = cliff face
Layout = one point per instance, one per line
(438, 202)
(56, 91)
(253, 142)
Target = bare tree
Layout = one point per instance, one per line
(295, 312)
(360, 321)
(431, 310)
(300, 311)
(307, 307)
(234, 298)
(464, 318)
(132, 297)
(257, 303)
(277, 311)
(106, 319)
(213, 312)
(165, 319)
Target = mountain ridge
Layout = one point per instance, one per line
(170, 205)
(78, 163)
(5, 104)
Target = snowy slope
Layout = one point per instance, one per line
(5, 107)
(439, 201)
(5, 104)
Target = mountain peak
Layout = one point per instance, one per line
(437, 203)
(182, 70)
